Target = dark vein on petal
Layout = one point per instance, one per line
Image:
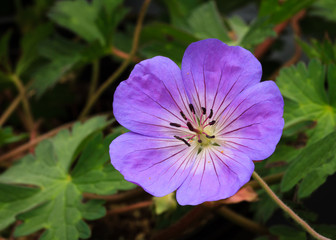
(198, 97)
(227, 94)
(160, 104)
(213, 163)
(173, 155)
(237, 129)
(223, 127)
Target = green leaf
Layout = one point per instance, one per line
(96, 176)
(306, 98)
(78, 16)
(55, 204)
(7, 136)
(313, 165)
(205, 22)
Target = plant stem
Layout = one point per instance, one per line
(130, 207)
(94, 77)
(285, 208)
(13, 106)
(123, 66)
(10, 109)
(25, 103)
(241, 220)
(271, 179)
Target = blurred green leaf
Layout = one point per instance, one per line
(277, 12)
(313, 165)
(60, 55)
(326, 230)
(4, 48)
(179, 11)
(325, 9)
(165, 40)
(306, 98)
(57, 205)
(324, 51)
(205, 22)
(29, 47)
(287, 233)
(258, 31)
(165, 203)
(78, 16)
(7, 136)
(93, 21)
(265, 207)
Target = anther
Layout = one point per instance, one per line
(183, 140)
(184, 116)
(199, 140)
(213, 136)
(212, 122)
(175, 124)
(203, 110)
(192, 109)
(191, 128)
(211, 113)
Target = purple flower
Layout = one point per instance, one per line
(197, 129)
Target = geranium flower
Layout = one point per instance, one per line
(197, 129)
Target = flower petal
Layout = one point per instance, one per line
(215, 175)
(157, 165)
(215, 73)
(253, 122)
(151, 98)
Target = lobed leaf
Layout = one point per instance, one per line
(55, 203)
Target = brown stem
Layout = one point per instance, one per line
(262, 48)
(241, 220)
(117, 52)
(94, 77)
(123, 66)
(271, 179)
(129, 208)
(119, 197)
(286, 209)
(10, 109)
(26, 107)
(32, 143)
(298, 51)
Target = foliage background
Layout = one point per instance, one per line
(60, 62)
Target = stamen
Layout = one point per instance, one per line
(175, 124)
(183, 140)
(208, 136)
(191, 128)
(192, 109)
(212, 122)
(184, 116)
(199, 140)
(203, 110)
(211, 113)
